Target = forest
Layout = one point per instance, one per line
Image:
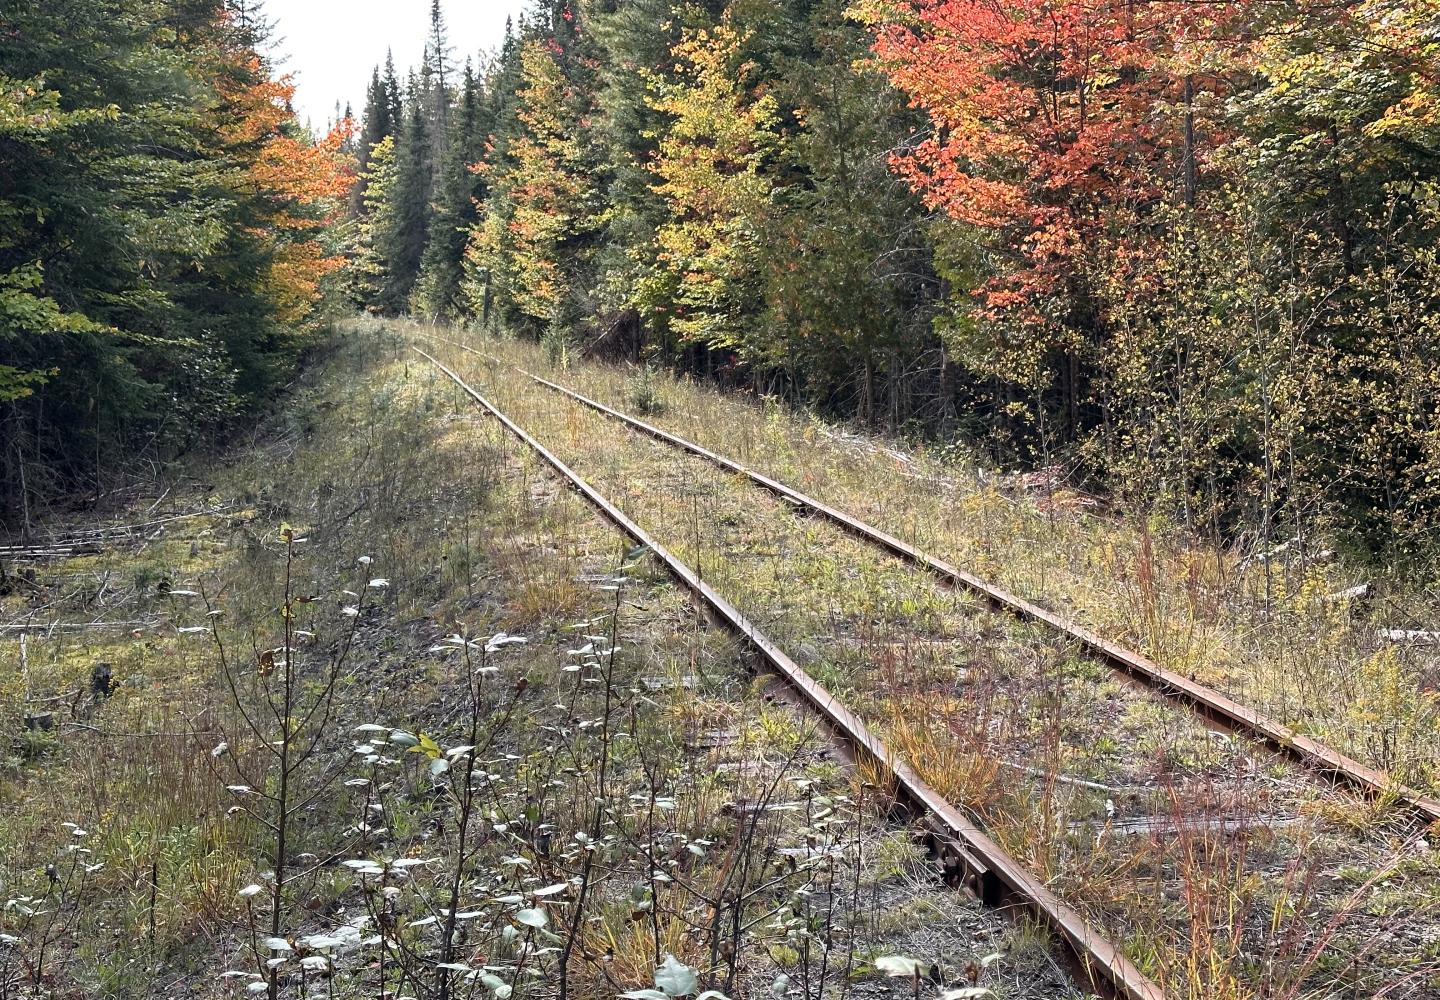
(1180, 253)
(165, 232)
(721, 499)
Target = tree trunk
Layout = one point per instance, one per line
(1187, 162)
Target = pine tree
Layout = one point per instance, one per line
(502, 97)
(377, 125)
(460, 188)
(400, 240)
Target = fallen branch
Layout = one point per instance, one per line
(1412, 637)
(64, 626)
(98, 536)
(1094, 786)
(1166, 826)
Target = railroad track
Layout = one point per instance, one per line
(1214, 706)
(992, 873)
(746, 532)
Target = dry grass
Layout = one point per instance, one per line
(1269, 631)
(373, 456)
(1040, 744)
(920, 731)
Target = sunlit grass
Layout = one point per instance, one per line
(375, 457)
(1025, 708)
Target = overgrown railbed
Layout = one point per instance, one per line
(514, 760)
(1330, 649)
(1229, 874)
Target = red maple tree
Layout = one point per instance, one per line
(1047, 113)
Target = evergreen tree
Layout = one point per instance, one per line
(460, 188)
(391, 84)
(163, 234)
(377, 125)
(540, 232)
(399, 241)
(435, 77)
(845, 258)
(488, 276)
(634, 53)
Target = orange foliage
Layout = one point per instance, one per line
(295, 276)
(1049, 112)
(301, 182)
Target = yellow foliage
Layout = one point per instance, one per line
(709, 166)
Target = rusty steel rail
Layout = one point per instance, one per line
(991, 871)
(1213, 705)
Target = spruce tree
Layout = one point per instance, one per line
(400, 242)
(459, 189)
(845, 262)
(377, 125)
(634, 52)
(391, 84)
(436, 78)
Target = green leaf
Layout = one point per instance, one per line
(495, 985)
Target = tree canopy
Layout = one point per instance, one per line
(1188, 249)
(166, 232)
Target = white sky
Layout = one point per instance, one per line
(331, 45)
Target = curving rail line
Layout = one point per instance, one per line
(994, 875)
(1213, 705)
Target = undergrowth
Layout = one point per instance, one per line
(1214, 859)
(391, 714)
